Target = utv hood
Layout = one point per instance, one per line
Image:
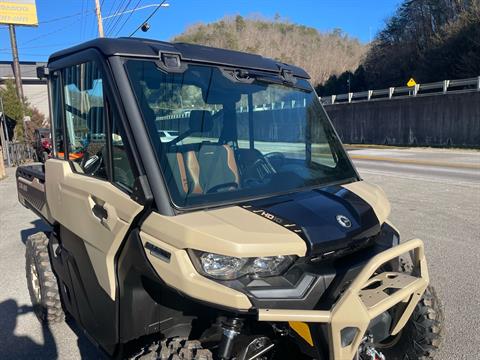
(328, 219)
(303, 223)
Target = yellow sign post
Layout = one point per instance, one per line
(411, 82)
(18, 12)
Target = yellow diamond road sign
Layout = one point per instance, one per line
(18, 12)
(411, 82)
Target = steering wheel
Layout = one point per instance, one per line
(85, 158)
(276, 159)
(218, 187)
(91, 164)
(262, 168)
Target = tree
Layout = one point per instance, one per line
(15, 110)
(13, 107)
(429, 40)
(37, 120)
(321, 54)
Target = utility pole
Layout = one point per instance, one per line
(16, 63)
(99, 18)
(4, 135)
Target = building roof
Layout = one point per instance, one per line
(188, 52)
(28, 70)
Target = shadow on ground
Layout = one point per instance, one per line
(14, 346)
(37, 226)
(23, 347)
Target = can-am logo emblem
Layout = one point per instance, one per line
(344, 221)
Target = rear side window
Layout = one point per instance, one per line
(85, 119)
(56, 96)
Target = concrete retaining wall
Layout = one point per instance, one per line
(440, 120)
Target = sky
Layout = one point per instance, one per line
(68, 22)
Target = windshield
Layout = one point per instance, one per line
(220, 138)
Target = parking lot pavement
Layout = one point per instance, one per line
(21, 335)
(438, 205)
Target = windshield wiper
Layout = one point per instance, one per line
(281, 81)
(284, 78)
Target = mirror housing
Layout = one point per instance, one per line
(42, 72)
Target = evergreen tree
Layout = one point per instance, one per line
(13, 107)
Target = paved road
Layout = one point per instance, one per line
(441, 205)
(437, 203)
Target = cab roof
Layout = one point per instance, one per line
(138, 47)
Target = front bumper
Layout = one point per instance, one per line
(366, 298)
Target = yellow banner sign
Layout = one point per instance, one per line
(18, 12)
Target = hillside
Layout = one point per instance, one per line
(427, 40)
(321, 54)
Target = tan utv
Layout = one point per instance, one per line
(245, 233)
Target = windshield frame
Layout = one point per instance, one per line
(334, 142)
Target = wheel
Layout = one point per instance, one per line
(421, 336)
(174, 349)
(44, 156)
(41, 281)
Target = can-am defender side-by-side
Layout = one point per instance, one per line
(246, 233)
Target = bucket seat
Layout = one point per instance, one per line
(206, 166)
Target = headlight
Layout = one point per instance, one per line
(220, 266)
(224, 267)
(270, 265)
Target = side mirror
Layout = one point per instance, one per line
(42, 72)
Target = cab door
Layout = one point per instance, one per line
(88, 187)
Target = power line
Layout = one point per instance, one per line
(36, 47)
(112, 6)
(90, 23)
(121, 15)
(82, 21)
(113, 10)
(25, 54)
(114, 22)
(41, 36)
(50, 33)
(148, 18)
(67, 16)
(129, 16)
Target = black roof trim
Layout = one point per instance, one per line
(189, 52)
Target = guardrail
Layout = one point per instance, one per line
(436, 88)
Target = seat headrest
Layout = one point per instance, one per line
(201, 121)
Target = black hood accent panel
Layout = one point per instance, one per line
(290, 225)
(313, 216)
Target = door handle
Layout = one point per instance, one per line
(100, 212)
(104, 212)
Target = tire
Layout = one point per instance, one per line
(421, 337)
(41, 281)
(174, 349)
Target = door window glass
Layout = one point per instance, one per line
(85, 120)
(123, 173)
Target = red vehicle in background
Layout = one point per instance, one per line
(43, 144)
